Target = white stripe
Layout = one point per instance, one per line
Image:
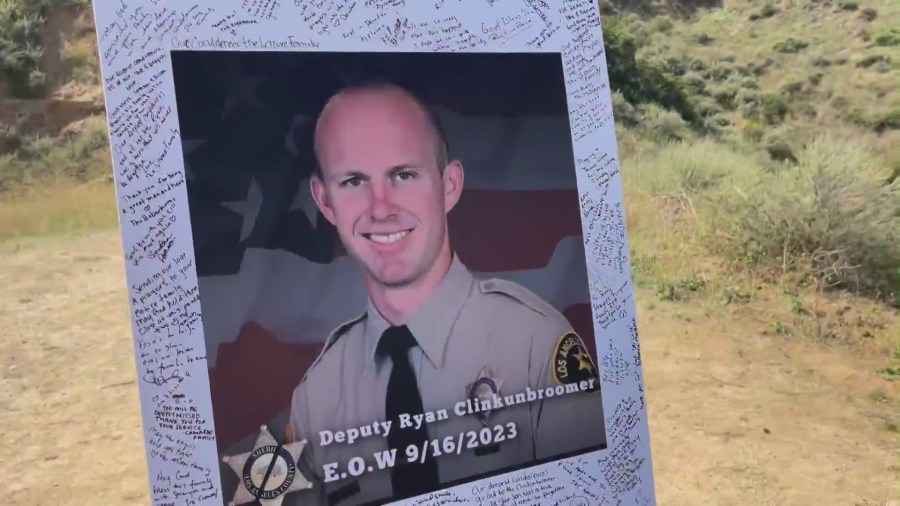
(301, 301)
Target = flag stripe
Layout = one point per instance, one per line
(503, 231)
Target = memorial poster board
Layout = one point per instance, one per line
(375, 252)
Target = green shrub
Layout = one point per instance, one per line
(773, 108)
(831, 217)
(736, 85)
(716, 126)
(607, 8)
(753, 131)
(694, 82)
(725, 93)
(779, 149)
(641, 80)
(859, 117)
(720, 72)
(625, 113)
(674, 66)
(20, 50)
(702, 38)
(888, 38)
(889, 120)
(662, 124)
(765, 107)
(869, 14)
(748, 103)
(790, 45)
(873, 59)
(849, 5)
(767, 11)
(790, 86)
(745, 81)
(707, 106)
(661, 24)
(697, 65)
(840, 102)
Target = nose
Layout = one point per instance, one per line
(381, 204)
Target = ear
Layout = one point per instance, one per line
(320, 195)
(453, 184)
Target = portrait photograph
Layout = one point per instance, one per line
(391, 266)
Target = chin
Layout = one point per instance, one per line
(394, 277)
(395, 281)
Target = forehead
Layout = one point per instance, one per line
(374, 129)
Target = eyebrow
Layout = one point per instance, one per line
(393, 170)
(403, 166)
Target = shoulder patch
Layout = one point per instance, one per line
(572, 363)
(517, 292)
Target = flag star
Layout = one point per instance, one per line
(188, 146)
(248, 208)
(303, 200)
(243, 89)
(290, 143)
(189, 172)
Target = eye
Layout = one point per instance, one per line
(352, 181)
(405, 175)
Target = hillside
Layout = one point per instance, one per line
(760, 148)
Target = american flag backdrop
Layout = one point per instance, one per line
(274, 280)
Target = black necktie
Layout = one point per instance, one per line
(408, 479)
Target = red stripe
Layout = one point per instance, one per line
(496, 231)
(253, 381)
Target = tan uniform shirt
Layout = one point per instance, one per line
(467, 329)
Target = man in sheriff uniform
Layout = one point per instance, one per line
(461, 376)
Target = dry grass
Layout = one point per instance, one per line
(80, 58)
(56, 209)
(68, 403)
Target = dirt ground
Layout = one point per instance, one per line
(736, 418)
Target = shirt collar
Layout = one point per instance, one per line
(432, 322)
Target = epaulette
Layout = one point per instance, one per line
(332, 338)
(519, 293)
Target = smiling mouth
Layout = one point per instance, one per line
(387, 238)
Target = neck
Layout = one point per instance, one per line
(398, 304)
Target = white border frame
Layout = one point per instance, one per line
(135, 37)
